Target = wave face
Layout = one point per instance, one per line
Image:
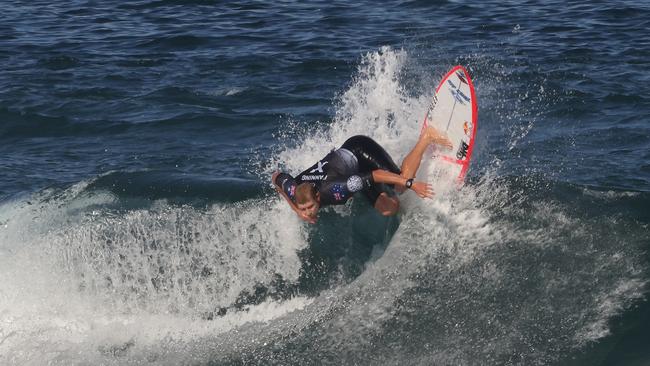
(137, 225)
(122, 269)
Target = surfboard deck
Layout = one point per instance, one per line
(454, 111)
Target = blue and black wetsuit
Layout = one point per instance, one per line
(344, 172)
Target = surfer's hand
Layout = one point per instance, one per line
(424, 190)
(444, 141)
(434, 136)
(440, 139)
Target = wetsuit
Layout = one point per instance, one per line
(344, 172)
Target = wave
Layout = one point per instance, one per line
(19, 125)
(60, 62)
(180, 188)
(86, 264)
(508, 269)
(174, 41)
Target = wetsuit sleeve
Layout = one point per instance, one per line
(288, 185)
(366, 179)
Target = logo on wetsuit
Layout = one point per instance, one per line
(314, 177)
(355, 183)
(337, 192)
(318, 169)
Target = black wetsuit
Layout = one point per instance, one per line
(344, 172)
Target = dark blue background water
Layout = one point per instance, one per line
(187, 102)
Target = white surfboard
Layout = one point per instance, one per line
(454, 110)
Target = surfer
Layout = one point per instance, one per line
(360, 165)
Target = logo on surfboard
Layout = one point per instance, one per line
(467, 128)
(461, 77)
(432, 106)
(462, 150)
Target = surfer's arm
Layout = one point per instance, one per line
(384, 176)
(282, 182)
(422, 189)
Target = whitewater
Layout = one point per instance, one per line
(506, 269)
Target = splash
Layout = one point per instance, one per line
(75, 269)
(376, 105)
(494, 271)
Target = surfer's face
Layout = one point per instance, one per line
(309, 208)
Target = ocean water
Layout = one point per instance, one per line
(138, 226)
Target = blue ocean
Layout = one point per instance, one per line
(138, 224)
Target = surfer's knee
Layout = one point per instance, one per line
(393, 207)
(387, 206)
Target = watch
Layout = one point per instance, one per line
(409, 183)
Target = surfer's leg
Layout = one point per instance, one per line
(382, 198)
(370, 155)
(386, 205)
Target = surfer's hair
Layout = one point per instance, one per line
(305, 192)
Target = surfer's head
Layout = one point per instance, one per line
(307, 199)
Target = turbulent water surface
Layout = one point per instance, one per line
(137, 225)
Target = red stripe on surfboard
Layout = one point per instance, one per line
(452, 160)
(470, 149)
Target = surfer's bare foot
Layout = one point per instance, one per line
(434, 136)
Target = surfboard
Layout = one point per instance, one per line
(454, 110)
